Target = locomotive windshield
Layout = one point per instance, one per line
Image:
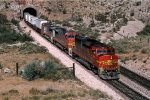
(111, 51)
(101, 52)
(70, 36)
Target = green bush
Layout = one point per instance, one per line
(86, 31)
(14, 92)
(57, 21)
(1, 66)
(29, 48)
(64, 11)
(30, 72)
(44, 17)
(66, 23)
(77, 18)
(101, 17)
(97, 94)
(35, 98)
(8, 35)
(3, 19)
(68, 95)
(15, 22)
(50, 70)
(145, 31)
(34, 91)
(146, 51)
(121, 46)
(6, 98)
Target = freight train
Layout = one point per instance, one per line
(97, 56)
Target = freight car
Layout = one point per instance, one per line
(97, 56)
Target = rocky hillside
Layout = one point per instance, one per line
(102, 19)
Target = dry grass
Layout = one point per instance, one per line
(16, 88)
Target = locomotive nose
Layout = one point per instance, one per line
(109, 62)
(108, 67)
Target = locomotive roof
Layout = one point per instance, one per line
(59, 29)
(91, 42)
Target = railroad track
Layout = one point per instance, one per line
(135, 77)
(123, 88)
(133, 95)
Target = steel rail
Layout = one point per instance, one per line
(127, 90)
(135, 77)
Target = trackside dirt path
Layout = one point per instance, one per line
(81, 73)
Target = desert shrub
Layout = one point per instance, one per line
(49, 10)
(35, 98)
(97, 94)
(6, 98)
(57, 21)
(34, 91)
(136, 48)
(64, 11)
(138, 3)
(52, 72)
(101, 17)
(1, 66)
(86, 31)
(121, 46)
(92, 24)
(77, 18)
(8, 36)
(145, 51)
(15, 22)
(48, 71)
(124, 59)
(66, 23)
(125, 20)
(30, 72)
(3, 19)
(29, 48)
(118, 15)
(44, 17)
(145, 31)
(14, 92)
(68, 95)
(51, 90)
(132, 13)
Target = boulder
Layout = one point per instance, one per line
(7, 70)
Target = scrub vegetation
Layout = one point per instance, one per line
(48, 70)
(139, 44)
(9, 35)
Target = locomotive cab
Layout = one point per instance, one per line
(107, 62)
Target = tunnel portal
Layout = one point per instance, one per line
(29, 9)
